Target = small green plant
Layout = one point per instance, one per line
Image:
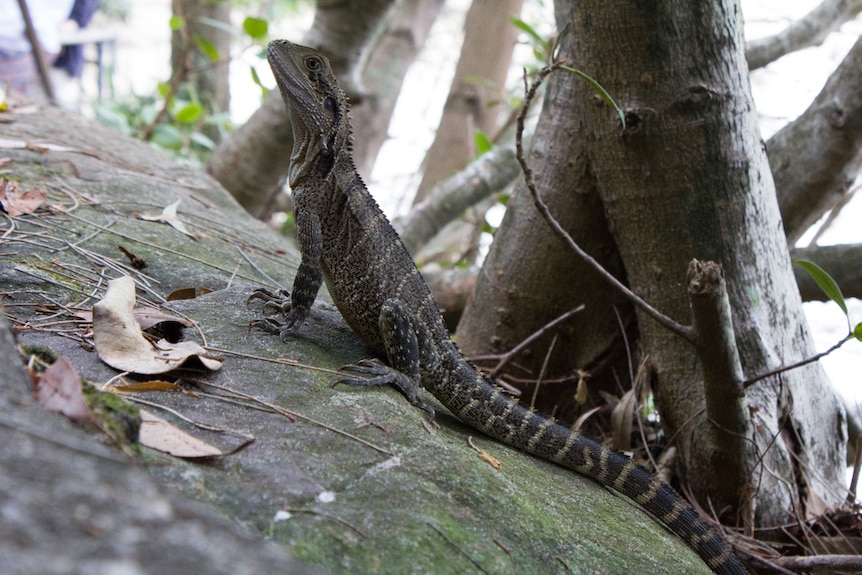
(833, 292)
(176, 118)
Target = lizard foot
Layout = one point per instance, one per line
(270, 325)
(381, 374)
(279, 302)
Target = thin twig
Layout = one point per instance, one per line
(325, 516)
(291, 414)
(257, 269)
(748, 382)
(685, 332)
(530, 339)
(458, 549)
(542, 371)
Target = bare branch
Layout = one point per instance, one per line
(810, 30)
(816, 158)
(830, 563)
(489, 174)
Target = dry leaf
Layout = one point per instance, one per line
(158, 434)
(621, 421)
(59, 389)
(147, 317)
(135, 260)
(493, 461)
(147, 386)
(169, 216)
(121, 344)
(187, 293)
(16, 202)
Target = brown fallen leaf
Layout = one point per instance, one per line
(148, 386)
(157, 433)
(121, 344)
(187, 293)
(492, 461)
(147, 317)
(17, 202)
(59, 389)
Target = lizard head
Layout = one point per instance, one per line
(315, 103)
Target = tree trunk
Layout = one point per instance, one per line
(383, 76)
(688, 178)
(529, 278)
(474, 97)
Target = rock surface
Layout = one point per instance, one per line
(358, 483)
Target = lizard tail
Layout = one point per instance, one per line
(498, 416)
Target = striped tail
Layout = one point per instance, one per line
(505, 420)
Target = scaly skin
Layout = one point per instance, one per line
(346, 240)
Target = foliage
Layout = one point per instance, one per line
(833, 292)
(181, 134)
(176, 118)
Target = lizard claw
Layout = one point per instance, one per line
(381, 374)
(279, 302)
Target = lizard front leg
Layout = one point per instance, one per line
(306, 284)
(402, 351)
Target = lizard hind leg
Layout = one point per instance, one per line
(402, 350)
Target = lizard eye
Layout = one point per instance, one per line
(313, 63)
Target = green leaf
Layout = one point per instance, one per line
(600, 91)
(163, 88)
(206, 47)
(256, 79)
(176, 22)
(113, 118)
(483, 142)
(857, 331)
(255, 27)
(524, 27)
(202, 140)
(825, 281)
(190, 113)
(167, 137)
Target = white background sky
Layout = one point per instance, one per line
(782, 91)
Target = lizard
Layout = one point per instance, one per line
(345, 239)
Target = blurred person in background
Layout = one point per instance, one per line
(18, 70)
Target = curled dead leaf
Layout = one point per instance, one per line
(16, 202)
(121, 344)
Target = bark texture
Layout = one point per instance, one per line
(689, 179)
(529, 277)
